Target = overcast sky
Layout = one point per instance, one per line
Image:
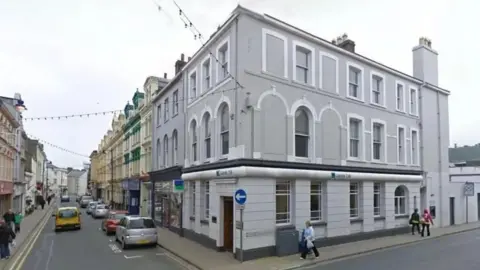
(71, 57)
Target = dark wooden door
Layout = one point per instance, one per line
(228, 223)
(452, 211)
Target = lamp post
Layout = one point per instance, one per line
(111, 176)
(19, 105)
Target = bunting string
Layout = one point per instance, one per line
(57, 147)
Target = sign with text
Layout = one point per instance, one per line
(341, 176)
(469, 189)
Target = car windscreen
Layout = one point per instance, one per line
(87, 198)
(141, 224)
(118, 216)
(100, 206)
(68, 213)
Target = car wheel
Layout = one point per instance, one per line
(116, 238)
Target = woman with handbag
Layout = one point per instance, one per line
(309, 238)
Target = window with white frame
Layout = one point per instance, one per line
(165, 151)
(400, 95)
(207, 200)
(192, 198)
(354, 200)
(159, 114)
(282, 202)
(193, 134)
(224, 129)
(206, 74)
(316, 200)
(175, 102)
(378, 134)
(208, 136)
(401, 144)
(377, 190)
(354, 82)
(355, 128)
(302, 133)
(174, 147)
(303, 64)
(413, 101)
(193, 86)
(400, 200)
(223, 61)
(159, 154)
(378, 89)
(166, 110)
(414, 143)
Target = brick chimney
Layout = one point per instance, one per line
(345, 43)
(179, 64)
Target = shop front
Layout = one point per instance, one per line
(131, 189)
(145, 195)
(6, 190)
(166, 201)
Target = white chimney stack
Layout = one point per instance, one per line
(425, 61)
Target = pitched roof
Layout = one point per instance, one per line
(464, 153)
(76, 173)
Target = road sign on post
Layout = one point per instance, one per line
(241, 199)
(240, 196)
(469, 189)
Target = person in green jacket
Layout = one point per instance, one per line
(18, 220)
(415, 221)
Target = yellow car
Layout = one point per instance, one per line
(67, 218)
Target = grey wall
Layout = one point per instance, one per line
(162, 127)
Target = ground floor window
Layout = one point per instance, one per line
(354, 200)
(401, 200)
(167, 208)
(282, 201)
(316, 200)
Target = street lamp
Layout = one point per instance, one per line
(19, 105)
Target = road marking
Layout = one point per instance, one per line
(115, 249)
(20, 260)
(132, 257)
(50, 255)
(161, 254)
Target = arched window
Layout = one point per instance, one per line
(193, 134)
(208, 136)
(159, 154)
(174, 147)
(224, 129)
(302, 133)
(165, 150)
(401, 195)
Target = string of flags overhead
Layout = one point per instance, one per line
(71, 116)
(58, 147)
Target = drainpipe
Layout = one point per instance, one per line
(237, 128)
(440, 154)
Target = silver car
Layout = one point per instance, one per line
(100, 211)
(90, 207)
(134, 230)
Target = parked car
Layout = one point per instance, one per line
(67, 218)
(132, 231)
(85, 201)
(100, 211)
(109, 224)
(90, 207)
(64, 198)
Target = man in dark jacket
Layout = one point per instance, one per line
(415, 221)
(9, 218)
(6, 237)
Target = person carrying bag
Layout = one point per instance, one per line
(415, 221)
(308, 238)
(427, 220)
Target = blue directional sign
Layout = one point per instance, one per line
(240, 196)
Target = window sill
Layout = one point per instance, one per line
(204, 222)
(379, 218)
(402, 164)
(285, 227)
(401, 216)
(223, 157)
(356, 220)
(355, 99)
(318, 223)
(356, 160)
(378, 162)
(264, 72)
(378, 105)
(400, 111)
(192, 218)
(303, 84)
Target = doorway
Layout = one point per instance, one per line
(452, 211)
(228, 223)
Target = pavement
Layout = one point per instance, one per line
(208, 259)
(90, 248)
(27, 226)
(458, 251)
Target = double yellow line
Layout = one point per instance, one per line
(27, 248)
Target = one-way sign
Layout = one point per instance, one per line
(240, 196)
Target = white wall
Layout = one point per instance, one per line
(82, 184)
(455, 189)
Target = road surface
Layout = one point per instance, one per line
(459, 251)
(90, 248)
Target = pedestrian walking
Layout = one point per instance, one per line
(9, 218)
(415, 221)
(427, 220)
(42, 202)
(18, 221)
(308, 238)
(7, 236)
(49, 198)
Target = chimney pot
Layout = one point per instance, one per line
(182, 57)
(164, 75)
